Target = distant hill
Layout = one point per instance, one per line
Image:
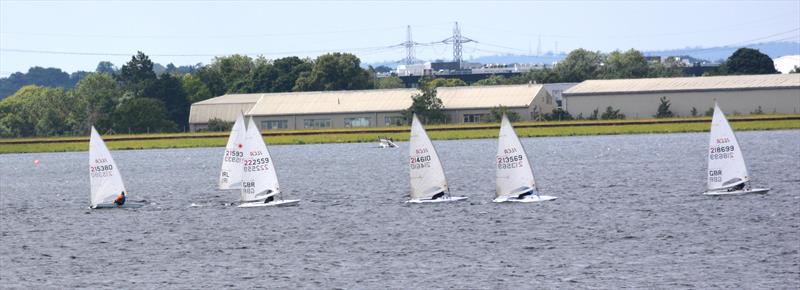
(773, 49)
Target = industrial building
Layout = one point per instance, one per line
(639, 98)
(367, 108)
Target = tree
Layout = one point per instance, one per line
(594, 115)
(212, 79)
(558, 114)
(624, 65)
(334, 71)
(142, 115)
(496, 114)
(442, 82)
(749, 61)
(611, 114)
(234, 71)
(195, 89)
(46, 77)
(106, 67)
(492, 81)
(262, 77)
(169, 90)
(663, 109)
(289, 69)
(579, 66)
(39, 111)
(391, 82)
(709, 112)
(542, 76)
(137, 74)
(219, 125)
(97, 95)
(427, 106)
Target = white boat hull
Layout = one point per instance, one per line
(286, 202)
(443, 199)
(527, 199)
(738, 192)
(111, 205)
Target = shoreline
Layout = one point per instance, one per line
(436, 132)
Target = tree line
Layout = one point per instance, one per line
(135, 99)
(142, 97)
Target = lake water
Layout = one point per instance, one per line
(629, 214)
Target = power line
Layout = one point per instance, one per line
(35, 51)
(225, 36)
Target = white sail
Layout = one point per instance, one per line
(726, 166)
(259, 180)
(106, 182)
(230, 176)
(427, 175)
(513, 170)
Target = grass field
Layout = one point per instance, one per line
(436, 132)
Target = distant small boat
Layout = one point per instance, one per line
(727, 173)
(428, 183)
(386, 143)
(106, 182)
(259, 180)
(230, 176)
(514, 173)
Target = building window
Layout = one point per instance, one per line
(274, 124)
(356, 122)
(316, 123)
(472, 118)
(394, 120)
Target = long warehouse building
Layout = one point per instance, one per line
(640, 98)
(367, 108)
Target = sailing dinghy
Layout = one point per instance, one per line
(230, 176)
(259, 180)
(386, 143)
(106, 182)
(727, 173)
(514, 173)
(428, 183)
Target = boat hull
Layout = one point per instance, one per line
(527, 199)
(738, 192)
(286, 202)
(111, 205)
(444, 199)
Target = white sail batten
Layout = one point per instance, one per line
(259, 179)
(726, 166)
(514, 174)
(427, 174)
(104, 176)
(230, 176)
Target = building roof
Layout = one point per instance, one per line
(487, 96)
(333, 102)
(225, 107)
(341, 102)
(231, 99)
(654, 85)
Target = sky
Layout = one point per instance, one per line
(76, 35)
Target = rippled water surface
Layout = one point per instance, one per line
(629, 214)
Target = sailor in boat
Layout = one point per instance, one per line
(438, 195)
(270, 198)
(737, 187)
(528, 193)
(120, 200)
